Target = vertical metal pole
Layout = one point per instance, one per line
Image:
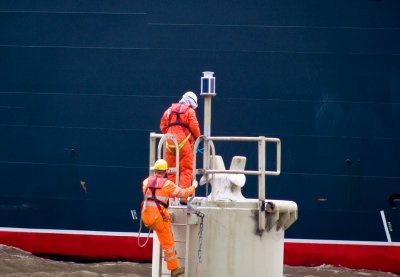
(207, 130)
(187, 249)
(156, 267)
(261, 183)
(278, 156)
(152, 157)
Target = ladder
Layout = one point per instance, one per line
(185, 227)
(182, 222)
(179, 229)
(159, 266)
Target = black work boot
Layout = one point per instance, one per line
(177, 271)
(183, 202)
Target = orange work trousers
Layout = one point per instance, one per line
(164, 234)
(185, 165)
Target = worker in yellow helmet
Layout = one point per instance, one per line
(157, 190)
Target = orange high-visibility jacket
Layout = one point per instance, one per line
(167, 189)
(187, 116)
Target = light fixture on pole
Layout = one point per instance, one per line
(208, 83)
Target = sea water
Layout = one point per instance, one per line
(15, 262)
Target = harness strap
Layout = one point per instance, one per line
(155, 222)
(165, 205)
(153, 190)
(185, 128)
(171, 147)
(177, 122)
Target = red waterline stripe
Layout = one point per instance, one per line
(373, 257)
(84, 246)
(123, 247)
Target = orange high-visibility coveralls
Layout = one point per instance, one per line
(185, 137)
(159, 222)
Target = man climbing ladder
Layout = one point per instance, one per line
(157, 190)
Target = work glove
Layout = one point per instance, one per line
(195, 183)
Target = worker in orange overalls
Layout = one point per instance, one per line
(157, 190)
(180, 120)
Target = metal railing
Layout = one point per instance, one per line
(261, 154)
(261, 172)
(207, 163)
(261, 148)
(161, 144)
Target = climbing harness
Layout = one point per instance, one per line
(171, 147)
(154, 183)
(178, 109)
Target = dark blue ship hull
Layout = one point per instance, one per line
(84, 83)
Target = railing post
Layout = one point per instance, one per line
(207, 131)
(261, 184)
(152, 158)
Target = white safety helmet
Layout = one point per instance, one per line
(189, 98)
(192, 95)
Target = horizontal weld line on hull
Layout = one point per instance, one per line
(74, 47)
(225, 98)
(77, 165)
(312, 101)
(339, 137)
(138, 167)
(11, 107)
(77, 127)
(88, 94)
(340, 175)
(276, 26)
(154, 130)
(72, 12)
(205, 50)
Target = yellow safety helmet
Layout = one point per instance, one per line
(161, 164)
